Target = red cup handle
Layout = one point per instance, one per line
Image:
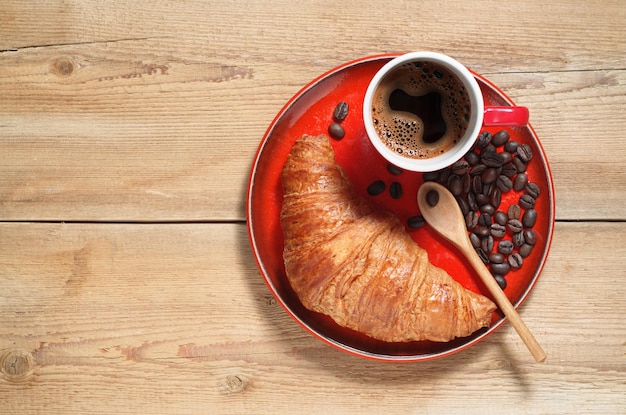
(513, 116)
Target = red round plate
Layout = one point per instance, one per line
(310, 112)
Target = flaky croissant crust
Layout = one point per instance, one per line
(358, 265)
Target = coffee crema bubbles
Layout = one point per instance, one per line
(420, 110)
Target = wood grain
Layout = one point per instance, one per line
(120, 321)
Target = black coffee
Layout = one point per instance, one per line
(420, 110)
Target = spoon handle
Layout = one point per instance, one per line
(505, 305)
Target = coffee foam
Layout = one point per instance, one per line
(403, 132)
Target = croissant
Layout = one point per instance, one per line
(357, 264)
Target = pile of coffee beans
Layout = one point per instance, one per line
(502, 236)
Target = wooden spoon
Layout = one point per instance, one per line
(441, 211)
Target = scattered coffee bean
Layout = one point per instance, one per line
(520, 182)
(475, 240)
(416, 222)
(509, 170)
(395, 170)
(487, 243)
(497, 230)
(496, 198)
(463, 205)
(484, 219)
(471, 220)
(525, 250)
(524, 152)
(500, 280)
(515, 260)
(395, 190)
(505, 247)
(504, 183)
(529, 218)
(376, 188)
(515, 225)
(471, 201)
(511, 146)
(532, 189)
(488, 208)
(518, 239)
(455, 185)
(514, 211)
(530, 236)
(472, 158)
(500, 138)
(500, 269)
(500, 217)
(506, 157)
(432, 198)
(341, 111)
(484, 139)
(482, 231)
(489, 175)
(492, 158)
(478, 169)
(482, 255)
(460, 167)
(336, 131)
(527, 201)
(520, 165)
(496, 258)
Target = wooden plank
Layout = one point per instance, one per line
(139, 132)
(100, 318)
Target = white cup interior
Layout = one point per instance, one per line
(462, 146)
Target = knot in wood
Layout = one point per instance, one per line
(63, 67)
(232, 384)
(16, 365)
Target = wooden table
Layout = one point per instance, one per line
(127, 133)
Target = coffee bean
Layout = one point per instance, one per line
(511, 146)
(497, 230)
(467, 182)
(515, 225)
(509, 170)
(482, 231)
(484, 219)
(496, 258)
(478, 169)
(504, 183)
(475, 240)
(341, 111)
(500, 280)
(482, 255)
(529, 218)
(491, 158)
(524, 152)
(500, 217)
(500, 138)
(376, 188)
(395, 170)
(471, 220)
(444, 175)
(472, 158)
(482, 199)
(489, 175)
(532, 189)
(500, 269)
(518, 239)
(416, 222)
(471, 201)
(525, 250)
(514, 211)
(463, 205)
(505, 247)
(432, 198)
(487, 244)
(488, 208)
(484, 139)
(477, 184)
(520, 165)
(460, 167)
(496, 198)
(530, 236)
(455, 185)
(515, 260)
(506, 157)
(395, 190)
(336, 131)
(520, 182)
(527, 201)
(489, 148)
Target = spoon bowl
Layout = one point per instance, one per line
(442, 212)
